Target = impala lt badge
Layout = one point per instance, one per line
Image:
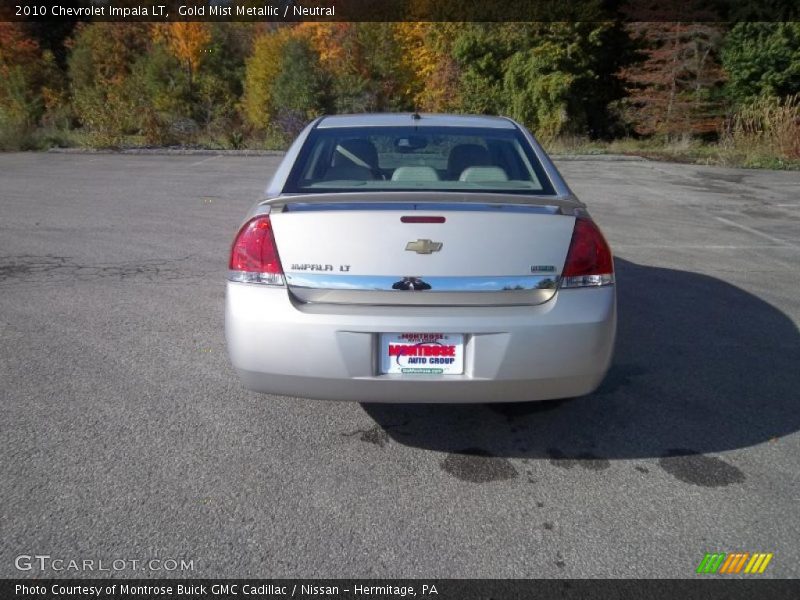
(424, 246)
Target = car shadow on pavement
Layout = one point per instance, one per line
(701, 366)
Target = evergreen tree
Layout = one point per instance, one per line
(762, 59)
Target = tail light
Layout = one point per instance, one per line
(254, 256)
(589, 261)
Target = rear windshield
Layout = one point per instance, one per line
(356, 159)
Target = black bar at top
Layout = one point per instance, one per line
(401, 10)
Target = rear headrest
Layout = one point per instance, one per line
(466, 155)
(483, 174)
(414, 173)
(355, 152)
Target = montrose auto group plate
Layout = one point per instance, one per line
(422, 353)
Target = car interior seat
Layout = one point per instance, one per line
(464, 156)
(483, 174)
(354, 159)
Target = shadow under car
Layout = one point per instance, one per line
(700, 366)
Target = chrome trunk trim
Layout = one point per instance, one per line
(449, 291)
(436, 284)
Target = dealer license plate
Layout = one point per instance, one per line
(422, 353)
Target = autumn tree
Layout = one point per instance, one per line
(366, 64)
(25, 74)
(427, 57)
(100, 63)
(187, 40)
(676, 89)
(331, 42)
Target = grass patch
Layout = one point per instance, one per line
(764, 134)
(742, 152)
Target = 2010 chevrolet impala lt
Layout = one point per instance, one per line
(420, 258)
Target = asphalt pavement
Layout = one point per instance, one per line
(125, 435)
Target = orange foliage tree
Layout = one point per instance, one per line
(427, 54)
(187, 41)
(27, 81)
(330, 40)
(100, 63)
(676, 89)
(366, 63)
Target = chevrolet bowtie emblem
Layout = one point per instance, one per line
(423, 246)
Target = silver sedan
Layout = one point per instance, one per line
(420, 258)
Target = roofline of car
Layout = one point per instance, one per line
(415, 119)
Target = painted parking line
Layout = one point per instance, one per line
(205, 160)
(756, 232)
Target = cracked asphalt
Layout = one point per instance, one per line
(124, 433)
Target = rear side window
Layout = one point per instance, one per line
(459, 159)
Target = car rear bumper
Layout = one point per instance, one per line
(558, 349)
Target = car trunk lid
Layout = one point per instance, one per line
(422, 253)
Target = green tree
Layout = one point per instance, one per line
(481, 51)
(554, 77)
(173, 101)
(383, 66)
(762, 59)
(219, 81)
(162, 94)
(28, 83)
(366, 63)
(539, 92)
(261, 68)
(100, 64)
(300, 89)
